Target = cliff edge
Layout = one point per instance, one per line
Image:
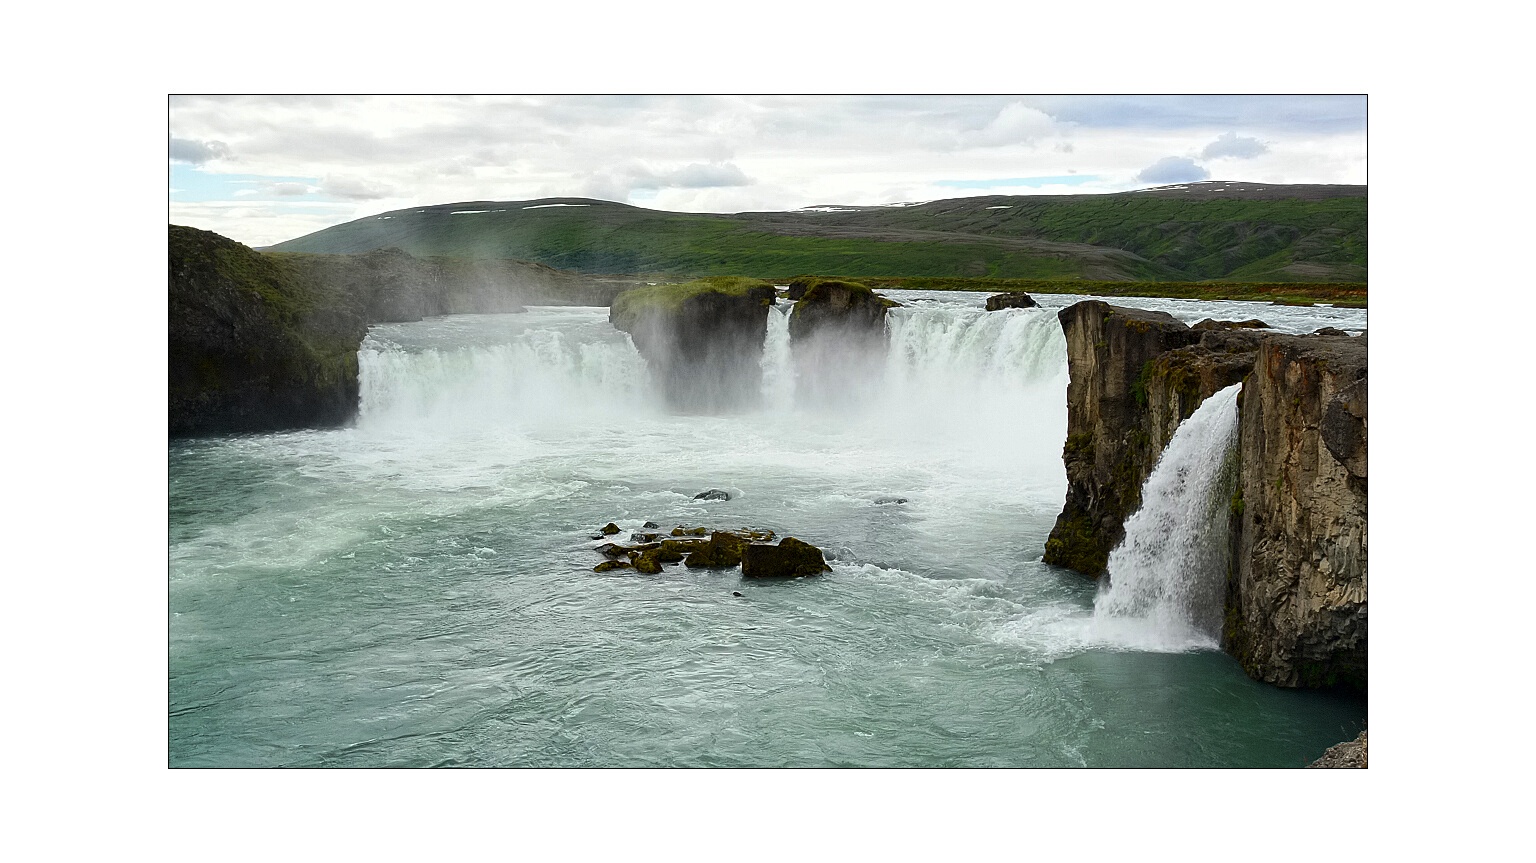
(1296, 595)
(1295, 608)
(702, 340)
(252, 346)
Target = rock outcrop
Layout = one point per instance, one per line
(1295, 612)
(1296, 597)
(838, 339)
(752, 550)
(252, 347)
(791, 558)
(1110, 447)
(702, 340)
(1350, 753)
(1011, 300)
(268, 341)
(1212, 324)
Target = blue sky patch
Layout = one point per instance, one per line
(189, 185)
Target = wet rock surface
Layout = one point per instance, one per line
(1296, 598)
(791, 558)
(703, 340)
(1011, 300)
(1295, 608)
(1250, 324)
(1351, 753)
(724, 549)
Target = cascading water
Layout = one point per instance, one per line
(418, 589)
(498, 370)
(1166, 578)
(778, 368)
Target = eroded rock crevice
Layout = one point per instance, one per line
(1295, 610)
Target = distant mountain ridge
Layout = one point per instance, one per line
(1212, 230)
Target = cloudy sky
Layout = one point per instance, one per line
(266, 169)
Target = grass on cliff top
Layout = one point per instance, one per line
(1344, 294)
(670, 298)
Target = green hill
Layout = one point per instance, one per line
(1241, 232)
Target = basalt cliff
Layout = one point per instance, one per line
(703, 340)
(1295, 611)
(268, 341)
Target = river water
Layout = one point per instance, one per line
(417, 590)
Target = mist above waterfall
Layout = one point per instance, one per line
(432, 568)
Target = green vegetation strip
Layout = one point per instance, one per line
(1343, 294)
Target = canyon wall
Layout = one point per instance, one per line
(1296, 595)
(268, 341)
(1296, 603)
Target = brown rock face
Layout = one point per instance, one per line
(1012, 300)
(1296, 594)
(837, 333)
(705, 350)
(723, 550)
(791, 558)
(1296, 600)
(1351, 753)
(1110, 447)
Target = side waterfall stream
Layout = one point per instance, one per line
(417, 590)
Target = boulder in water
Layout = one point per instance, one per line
(791, 558)
(650, 525)
(1212, 324)
(882, 501)
(609, 549)
(609, 565)
(1330, 331)
(648, 562)
(723, 550)
(689, 531)
(713, 494)
(674, 550)
(1011, 300)
(610, 529)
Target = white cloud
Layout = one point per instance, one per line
(197, 152)
(1016, 123)
(354, 189)
(1173, 169)
(1230, 146)
(728, 153)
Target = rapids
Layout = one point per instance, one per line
(417, 589)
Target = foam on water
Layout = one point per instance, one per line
(417, 590)
(1165, 580)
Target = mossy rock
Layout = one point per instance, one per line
(724, 549)
(791, 558)
(1075, 544)
(629, 307)
(610, 565)
(648, 562)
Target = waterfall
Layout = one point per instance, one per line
(545, 367)
(956, 379)
(942, 350)
(1166, 579)
(778, 368)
